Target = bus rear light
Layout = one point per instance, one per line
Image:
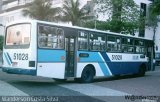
(31, 63)
(14, 64)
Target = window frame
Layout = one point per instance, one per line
(86, 32)
(115, 38)
(51, 26)
(140, 46)
(89, 38)
(17, 46)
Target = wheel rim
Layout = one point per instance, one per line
(87, 75)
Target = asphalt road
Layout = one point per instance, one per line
(104, 89)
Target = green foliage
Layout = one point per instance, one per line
(153, 19)
(72, 12)
(41, 10)
(1, 42)
(100, 25)
(155, 7)
(124, 14)
(154, 12)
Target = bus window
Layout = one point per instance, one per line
(140, 49)
(113, 44)
(124, 45)
(18, 35)
(97, 42)
(83, 40)
(139, 46)
(139, 43)
(130, 45)
(130, 48)
(51, 37)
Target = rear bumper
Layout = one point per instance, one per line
(19, 71)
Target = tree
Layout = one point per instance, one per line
(100, 25)
(152, 22)
(155, 7)
(41, 10)
(123, 14)
(153, 18)
(71, 12)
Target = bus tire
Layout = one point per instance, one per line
(142, 70)
(88, 74)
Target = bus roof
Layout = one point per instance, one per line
(75, 27)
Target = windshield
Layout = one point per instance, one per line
(18, 35)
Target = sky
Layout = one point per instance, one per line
(83, 2)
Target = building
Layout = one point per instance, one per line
(11, 10)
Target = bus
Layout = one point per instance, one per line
(60, 52)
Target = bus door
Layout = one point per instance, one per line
(150, 55)
(70, 56)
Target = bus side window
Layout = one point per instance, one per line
(42, 37)
(83, 40)
(113, 44)
(131, 45)
(140, 46)
(43, 40)
(60, 38)
(51, 37)
(97, 42)
(124, 45)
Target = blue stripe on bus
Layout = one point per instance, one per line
(9, 63)
(95, 57)
(104, 69)
(9, 58)
(121, 67)
(114, 67)
(124, 67)
(105, 56)
(50, 55)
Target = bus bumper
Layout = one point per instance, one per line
(19, 71)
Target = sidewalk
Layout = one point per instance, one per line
(157, 68)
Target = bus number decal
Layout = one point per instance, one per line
(116, 57)
(20, 56)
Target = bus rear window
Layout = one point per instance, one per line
(18, 35)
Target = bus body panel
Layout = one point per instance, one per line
(18, 58)
(21, 60)
(108, 64)
(81, 66)
(51, 70)
(51, 63)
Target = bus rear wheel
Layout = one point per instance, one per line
(142, 70)
(87, 75)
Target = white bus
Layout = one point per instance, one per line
(56, 51)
